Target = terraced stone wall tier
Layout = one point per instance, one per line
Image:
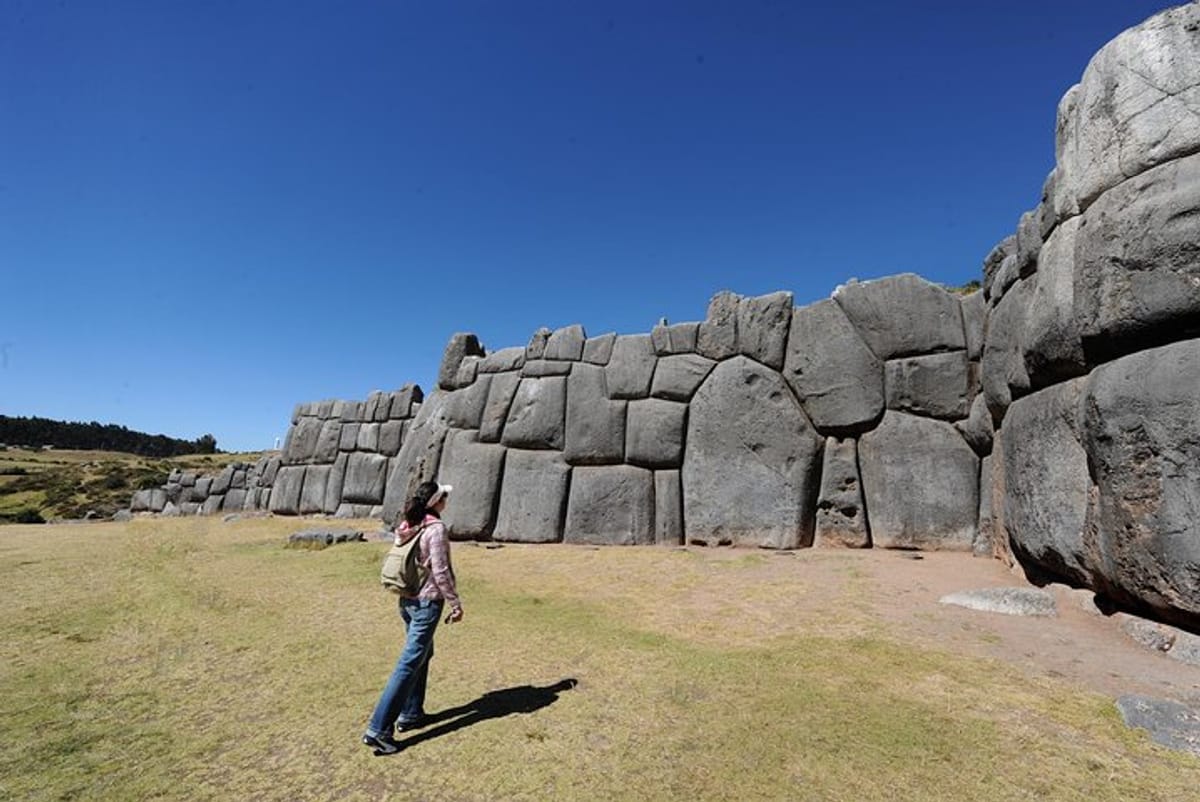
(854, 421)
(334, 461)
(1091, 363)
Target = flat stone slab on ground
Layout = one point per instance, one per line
(1010, 601)
(326, 537)
(1169, 723)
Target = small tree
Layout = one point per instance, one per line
(206, 444)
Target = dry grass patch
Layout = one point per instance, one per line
(191, 659)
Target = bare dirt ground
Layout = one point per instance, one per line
(1078, 645)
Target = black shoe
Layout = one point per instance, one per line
(383, 745)
(415, 724)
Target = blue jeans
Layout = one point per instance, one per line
(403, 697)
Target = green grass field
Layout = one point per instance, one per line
(192, 659)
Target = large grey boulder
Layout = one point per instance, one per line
(222, 481)
(475, 470)
(982, 547)
(1007, 601)
(566, 343)
(501, 390)
(365, 477)
(974, 314)
(270, 472)
(536, 349)
(419, 456)
(368, 437)
(841, 514)
(935, 385)
(668, 509)
(302, 441)
(312, 496)
(595, 426)
(285, 495)
(140, 501)
(1029, 243)
(403, 401)
(536, 368)
(1003, 366)
(677, 377)
(504, 360)
(750, 472)
(1137, 106)
(762, 327)
(158, 499)
(327, 441)
(391, 437)
(461, 346)
(977, 429)
(837, 378)
(598, 350)
(993, 261)
(537, 415)
(348, 439)
(235, 499)
(1138, 254)
(533, 497)
(212, 505)
(1143, 447)
(1050, 342)
(1169, 723)
(903, 315)
(921, 484)
(468, 371)
(464, 407)
(333, 486)
(610, 505)
(631, 367)
(677, 338)
(655, 432)
(717, 337)
(1046, 499)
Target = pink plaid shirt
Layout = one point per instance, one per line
(435, 557)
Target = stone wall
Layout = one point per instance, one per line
(839, 423)
(1091, 366)
(1052, 419)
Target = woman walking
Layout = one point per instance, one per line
(402, 704)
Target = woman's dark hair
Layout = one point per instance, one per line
(418, 505)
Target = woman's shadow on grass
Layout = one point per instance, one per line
(493, 704)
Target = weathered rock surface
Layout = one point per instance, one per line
(464, 408)
(1046, 499)
(841, 514)
(1174, 725)
(631, 368)
(1009, 601)
(1003, 365)
(502, 361)
(1138, 260)
(920, 482)
(655, 433)
(595, 426)
(935, 385)
(977, 429)
(679, 338)
(566, 343)
(312, 496)
(668, 509)
(750, 473)
(677, 377)
(419, 456)
(533, 497)
(365, 477)
(837, 378)
(499, 401)
(717, 337)
(536, 368)
(475, 470)
(762, 327)
(538, 412)
(598, 350)
(610, 505)
(1143, 446)
(932, 319)
(461, 346)
(285, 495)
(974, 313)
(1137, 106)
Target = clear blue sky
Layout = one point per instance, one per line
(211, 211)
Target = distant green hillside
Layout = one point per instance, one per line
(40, 485)
(39, 432)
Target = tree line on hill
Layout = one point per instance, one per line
(40, 432)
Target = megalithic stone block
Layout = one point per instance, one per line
(499, 401)
(841, 513)
(461, 345)
(475, 470)
(610, 505)
(595, 426)
(762, 327)
(668, 509)
(932, 318)
(536, 418)
(533, 497)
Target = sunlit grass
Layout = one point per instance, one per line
(191, 659)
